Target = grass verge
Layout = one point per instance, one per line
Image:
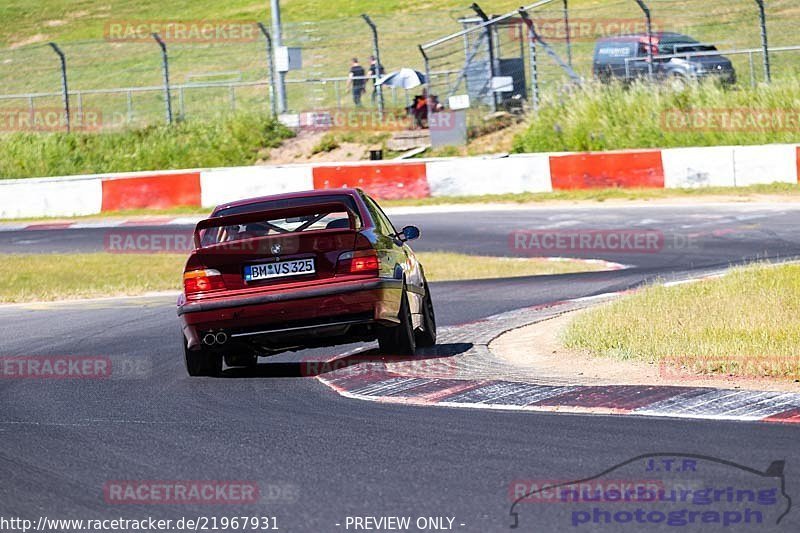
(48, 277)
(226, 141)
(746, 324)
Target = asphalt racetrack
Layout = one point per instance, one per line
(320, 458)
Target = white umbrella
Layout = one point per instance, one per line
(405, 78)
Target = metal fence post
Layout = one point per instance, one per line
(532, 49)
(271, 66)
(566, 26)
(534, 64)
(64, 87)
(762, 15)
(649, 23)
(427, 86)
(377, 51)
(490, 38)
(165, 66)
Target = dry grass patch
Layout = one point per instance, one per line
(48, 277)
(744, 324)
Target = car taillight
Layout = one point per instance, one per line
(361, 262)
(202, 281)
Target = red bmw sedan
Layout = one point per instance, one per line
(301, 270)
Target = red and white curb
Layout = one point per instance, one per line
(471, 377)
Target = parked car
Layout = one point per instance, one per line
(625, 58)
(301, 270)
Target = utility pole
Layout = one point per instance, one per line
(277, 38)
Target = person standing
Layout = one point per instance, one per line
(375, 71)
(356, 81)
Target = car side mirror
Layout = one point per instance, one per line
(409, 233)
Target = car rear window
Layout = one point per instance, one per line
(288, 202)
(321, 213)
(685, 47)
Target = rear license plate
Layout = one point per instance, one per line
(280, 269)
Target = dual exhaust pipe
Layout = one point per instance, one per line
(211, 339)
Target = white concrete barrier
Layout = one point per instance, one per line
(725, 166)
(765, 164)
(486, 175)
(228, 184)
(50, 197)
(698, 167)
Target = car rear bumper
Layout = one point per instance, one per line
(285, 313)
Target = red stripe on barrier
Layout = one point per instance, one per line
(388, 182)
(158, 191)
(606, 170)
(798, 164)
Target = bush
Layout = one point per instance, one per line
(607, 117)
(327, 143)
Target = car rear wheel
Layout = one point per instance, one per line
(427, 337)
(399, 339)
(202, 362)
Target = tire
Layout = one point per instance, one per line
(399, 339)
(427, 337)
(202, 362)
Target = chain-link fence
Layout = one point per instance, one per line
(121, 77)
(510, 60)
